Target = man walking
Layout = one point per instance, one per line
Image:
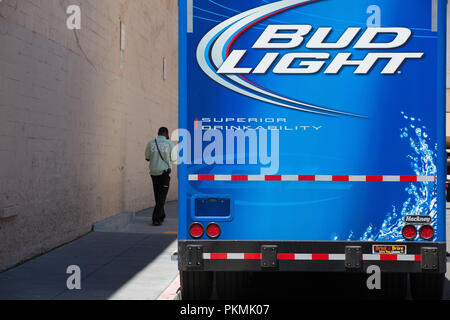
(158, 153)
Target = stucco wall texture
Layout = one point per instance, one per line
(73, 123)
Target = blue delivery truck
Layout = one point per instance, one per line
(312, 139)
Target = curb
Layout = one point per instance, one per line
(171, 293)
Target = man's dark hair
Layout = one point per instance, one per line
(163, 132)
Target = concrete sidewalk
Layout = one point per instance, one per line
(131, 263)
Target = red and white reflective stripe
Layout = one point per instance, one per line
(326, 178)
(232, 256)
(312, 256)
(392, 257)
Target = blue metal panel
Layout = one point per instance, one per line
(330, 124)
(212, 207)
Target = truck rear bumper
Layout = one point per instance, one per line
(326, 256)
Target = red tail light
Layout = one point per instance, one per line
(196, 230)
(409, 232)
(213, 230)
(426, 232)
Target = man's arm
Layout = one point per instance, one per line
(147, 152)
(172, 146)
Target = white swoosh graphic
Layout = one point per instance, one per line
(221, 36)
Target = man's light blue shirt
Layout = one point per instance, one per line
(157, 165)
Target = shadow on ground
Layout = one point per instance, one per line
(118, 265)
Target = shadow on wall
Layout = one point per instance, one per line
(50, 167)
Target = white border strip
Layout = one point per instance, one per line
(190, 16)
(434, 15)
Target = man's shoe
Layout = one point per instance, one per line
(156, 223)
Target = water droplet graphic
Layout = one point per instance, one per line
(421, 198)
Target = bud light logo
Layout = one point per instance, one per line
(316, 61)
(296, 49)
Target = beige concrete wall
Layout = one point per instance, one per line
(73, 124)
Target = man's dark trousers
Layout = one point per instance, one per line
(160, 189)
